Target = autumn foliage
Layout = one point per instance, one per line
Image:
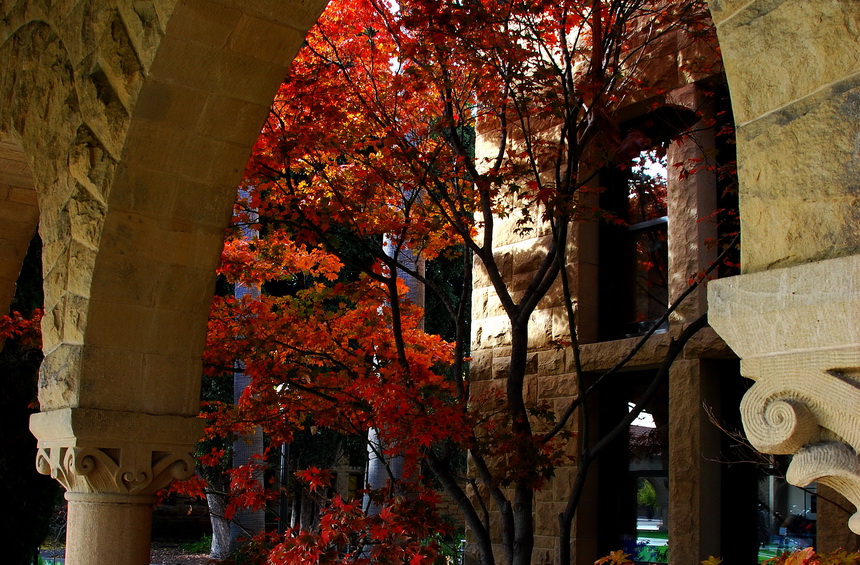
(23, 328)
(366, 169)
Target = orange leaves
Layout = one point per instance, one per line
(327, 352)
(808, 556)
(617, 557)
(275, 257)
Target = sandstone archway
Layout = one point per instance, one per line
(137, 118)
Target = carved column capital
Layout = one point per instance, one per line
(109, 456)
(126, 473)
(797, 331)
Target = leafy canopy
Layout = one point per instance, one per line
(401, 135)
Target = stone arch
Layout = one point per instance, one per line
(20, 214)
(31, 49)
(139, 124)
(206, 93)
(137, 118)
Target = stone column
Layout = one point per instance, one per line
(793, 316)
(694, 468)
(112, 464)
(694, 474)
(831, 533)
(691, 204)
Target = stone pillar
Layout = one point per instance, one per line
(691, 204)
(694, 468)
(694, 473)
(793, 316)
(112, 464)
(831, 531)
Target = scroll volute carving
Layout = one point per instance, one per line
(134, 471)
(813, 415)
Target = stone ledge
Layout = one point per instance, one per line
(808, 308)
(88, 427)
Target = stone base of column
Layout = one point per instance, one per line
(108, 532)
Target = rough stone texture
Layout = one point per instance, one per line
(793, 315)
(792, 311)
(692, 201)
(19, 216)
(797, 138)
(694, 492)
(817, 42)
(136, 119)
(833, 512)
(784, 198)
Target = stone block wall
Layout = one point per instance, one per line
(693, 480)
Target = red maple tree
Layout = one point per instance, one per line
(368, 160)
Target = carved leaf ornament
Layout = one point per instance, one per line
(131, 471)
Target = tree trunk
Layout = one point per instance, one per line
(220, 548)
(378, 468)
(247, 523)
(246, 449)
(523, 503)
(378, 465)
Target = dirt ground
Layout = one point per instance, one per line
(173, 555)
(162, 554)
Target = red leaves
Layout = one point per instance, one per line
(400, 532)
(315, 478)
(27, 330)
(194, 487)
(247, 489)
(370, 140)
